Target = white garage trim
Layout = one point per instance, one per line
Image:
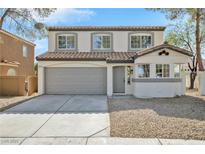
(73, 63)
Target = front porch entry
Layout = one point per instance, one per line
(119, 79)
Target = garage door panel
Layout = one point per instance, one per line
(76, 80)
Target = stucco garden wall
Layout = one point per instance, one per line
(158, 88)
(12, 86)
(201, 83)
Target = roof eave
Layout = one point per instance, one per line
(17, 37)
(185, 52)
(106, 28)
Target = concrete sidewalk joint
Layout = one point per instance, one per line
(48, 119)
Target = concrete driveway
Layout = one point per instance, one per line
(70, 118)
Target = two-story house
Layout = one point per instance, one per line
(16, 55)
(112, 60)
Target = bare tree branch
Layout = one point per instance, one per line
(3, 17)
(18, 23)
(23, 21)
(23, 16)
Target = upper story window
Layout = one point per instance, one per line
(25, 51)
(140, 41)
(162, 70)
(101, 41)
(66, 41)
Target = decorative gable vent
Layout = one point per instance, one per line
(164, 52)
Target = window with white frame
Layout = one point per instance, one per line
(66, 41)
(177, 70)
(144, 70)
(140, 41)
(101, 41)
(162, 70)
(25, 51)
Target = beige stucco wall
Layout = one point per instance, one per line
(11, 50)
(12, 86)
(120, 39)
(32, 84)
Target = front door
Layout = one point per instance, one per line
(119, 79)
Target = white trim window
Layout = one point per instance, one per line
(143, 70)
(25, 51)
(162, 70)
(177, 70)
(66, 42)
(140, 41)
(101, 41)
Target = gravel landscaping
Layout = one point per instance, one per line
(10, 101)
(174, 118)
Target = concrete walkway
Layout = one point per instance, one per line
(97, 141)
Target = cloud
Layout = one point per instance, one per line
(68, 16)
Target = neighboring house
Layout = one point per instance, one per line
(16, 55)
(112, 60)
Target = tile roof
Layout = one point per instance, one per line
(117, 57)
(106, 28)
(109, 57)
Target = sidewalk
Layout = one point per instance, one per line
(143, 141)
(98, 141)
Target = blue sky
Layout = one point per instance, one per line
(100, 17)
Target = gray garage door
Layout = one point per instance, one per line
(76, 80)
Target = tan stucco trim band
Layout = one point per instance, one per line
(9, 64)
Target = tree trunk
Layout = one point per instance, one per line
(1, 23)
(198, 41)
(3, 17)
(192, 79)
